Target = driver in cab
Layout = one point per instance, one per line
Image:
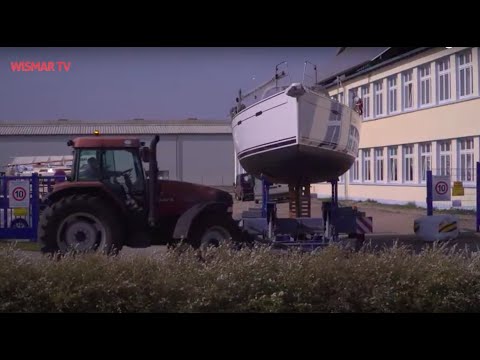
(92, 172)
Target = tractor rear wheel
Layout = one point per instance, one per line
(212, 230)
(80, 223)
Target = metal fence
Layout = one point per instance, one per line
(20, 204)
(462, 187)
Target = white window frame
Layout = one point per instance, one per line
(466, 155)
(379, 165)
(444, 80)
(367, 162)
(355, 171)
(352, 93)
(445, 158)
(392, 95)
(366, 101)
(425, 85)
(425, 160)
(408, 161)
(353, 139)
(407, 83)
(392, 159)
(378, 98)
(462, 71)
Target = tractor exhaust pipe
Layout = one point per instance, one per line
(153, 181)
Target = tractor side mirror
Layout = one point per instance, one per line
(145, 154)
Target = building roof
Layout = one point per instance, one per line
(384, 58)
(130, 127)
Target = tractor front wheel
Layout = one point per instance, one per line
(212, 230)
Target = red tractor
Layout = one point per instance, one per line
(110, 201)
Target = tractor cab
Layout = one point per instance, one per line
(116, 162)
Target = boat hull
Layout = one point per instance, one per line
(305, 164)
(297, 137)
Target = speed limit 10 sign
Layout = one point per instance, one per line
(441, 188)
(19, 193)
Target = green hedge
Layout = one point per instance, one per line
(331, 280)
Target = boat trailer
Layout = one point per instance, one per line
(300, 230)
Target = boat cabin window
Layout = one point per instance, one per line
(273, 91)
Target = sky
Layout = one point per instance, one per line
(115, 84)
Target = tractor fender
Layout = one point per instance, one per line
(186, 220)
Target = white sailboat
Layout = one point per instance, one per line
(295, 134)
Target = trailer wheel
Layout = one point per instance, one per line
(212, 230)
(359, 241)
(83, 223)
(19, 223)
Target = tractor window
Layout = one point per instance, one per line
(123, 167)
(120, 161)
(88, 165)
(116, 166)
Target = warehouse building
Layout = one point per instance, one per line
(420, 110)
(192, 150)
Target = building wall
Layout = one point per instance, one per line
(423, 127)
(205, 159)
(167, 156)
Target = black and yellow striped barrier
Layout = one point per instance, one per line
(436, 227)
(448, 227)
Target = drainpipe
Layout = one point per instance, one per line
(346, 183)
(235, 165)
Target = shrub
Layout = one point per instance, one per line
(256, 280)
